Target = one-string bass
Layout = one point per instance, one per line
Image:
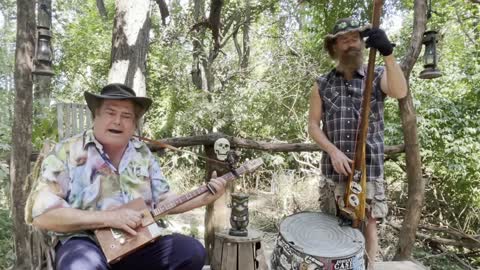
(355, 193)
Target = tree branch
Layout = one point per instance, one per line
(210, 139)
(462, 27)
(214, 21)
(466, 243)
(163, 10)
(101, 9)
(237, 47)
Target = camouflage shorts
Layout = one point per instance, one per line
(331, 193)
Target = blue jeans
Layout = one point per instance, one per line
(172, 252)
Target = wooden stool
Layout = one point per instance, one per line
(237, 253)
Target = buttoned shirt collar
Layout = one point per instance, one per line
(89, 138)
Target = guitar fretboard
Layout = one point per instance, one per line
(166, 206)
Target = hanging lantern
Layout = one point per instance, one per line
(43, 54)
(42, 63)
(430, 56)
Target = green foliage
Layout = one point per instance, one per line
(7, 52)
(82, 42)
(449, 121)
(44, 126)
(6, 240)
(6, 98)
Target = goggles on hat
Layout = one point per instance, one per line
(345, 25)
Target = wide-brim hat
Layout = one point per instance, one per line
(117, 91)
(341, 27)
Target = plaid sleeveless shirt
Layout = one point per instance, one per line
(341, 103)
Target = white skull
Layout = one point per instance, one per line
(221, 147)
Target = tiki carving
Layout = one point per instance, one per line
(239, 216)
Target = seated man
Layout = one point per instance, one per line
(86, 177)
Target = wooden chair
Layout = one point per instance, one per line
(42, 245)
(71, 119)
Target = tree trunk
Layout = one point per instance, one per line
(43, 88)
(246, 36)
(416, 184)
(214, 23)
(164, 13)
(101, 9)
(22, 129)
(217, 214)
(130, 44)
(199, 63)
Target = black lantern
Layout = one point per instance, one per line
(43, 51)
(430, 56)
(43, 54)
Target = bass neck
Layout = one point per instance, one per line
(164, 207)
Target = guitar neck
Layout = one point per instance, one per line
(163, 207)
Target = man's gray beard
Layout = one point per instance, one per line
(350, 63)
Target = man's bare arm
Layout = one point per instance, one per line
(72, 220)
(340, 161)
(393, 81)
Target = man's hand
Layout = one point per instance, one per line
(218, 185)
(376, 38)
(124, 218)
(341, 163)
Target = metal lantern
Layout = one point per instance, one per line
(430, 56)
(43, 51)
(43, 54)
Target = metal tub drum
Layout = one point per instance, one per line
(315, 241)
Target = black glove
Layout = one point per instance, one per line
(378, 39)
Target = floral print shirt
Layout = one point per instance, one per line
(79, 174)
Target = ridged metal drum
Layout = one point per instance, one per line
(315, 241)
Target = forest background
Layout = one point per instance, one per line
(257, 86)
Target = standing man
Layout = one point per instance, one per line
(86, 178)
(335, 101)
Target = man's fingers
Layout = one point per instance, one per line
(132, 224)
(348, 168)
(129, 230)
(214, 174)
(365, 33)
(340, 169)
(138, 217)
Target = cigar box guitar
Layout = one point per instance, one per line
(117, 244)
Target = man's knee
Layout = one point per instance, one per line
(79, 253)
(193, 251)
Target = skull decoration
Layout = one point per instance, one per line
(221, 147)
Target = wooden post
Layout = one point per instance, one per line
(216, 214)
(416, 183)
